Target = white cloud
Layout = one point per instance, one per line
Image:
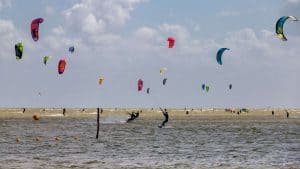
(146, 33)
(179, 31)
(91, 25)
(99, 13)
(58, 30)
(97, 22)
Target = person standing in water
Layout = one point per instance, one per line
(166, 115)
(287, 114)
(64, 111)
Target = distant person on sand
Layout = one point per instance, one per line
(287, 114)
(99, 110)
(166, 115)
(24, 110)
(187, 112)
(273, 112)
(64, 111)
(133, 116)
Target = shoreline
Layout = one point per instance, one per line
(146, 112)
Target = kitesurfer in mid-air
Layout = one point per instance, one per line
(166, 115)
(133, 116)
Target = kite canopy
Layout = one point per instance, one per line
(162, 70)
(207, 88)
(71, 49)
(140, 84)
(164, 81)
(203, 86)
(46, 58)
(19, 47)
(220, 54)
(35, 28)
(279, 26)
(230, 86)
(100, 81)
(61, 66)
(148, 90)
(171, 42)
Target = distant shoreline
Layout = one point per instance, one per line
(146, 112)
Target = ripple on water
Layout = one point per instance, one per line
(189, 143)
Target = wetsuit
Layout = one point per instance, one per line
(166, 119)
(132, 116)
(64, 111)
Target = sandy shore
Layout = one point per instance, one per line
(146, 113)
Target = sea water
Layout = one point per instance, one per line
(195, 142)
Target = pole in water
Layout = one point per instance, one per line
(98, 111)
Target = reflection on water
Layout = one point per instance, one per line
(65, 142)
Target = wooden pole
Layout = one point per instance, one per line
(98, 125)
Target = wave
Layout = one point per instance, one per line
(114, 120)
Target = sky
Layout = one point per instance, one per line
(125, 40)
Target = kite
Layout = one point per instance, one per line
(171, 42)
(279, 26)
(101, 79)
(71, 49)
(61, 66)
(220, 54)
(46, 58)
(140, 84)
(35, 28)
(19, 47)
(164, 81)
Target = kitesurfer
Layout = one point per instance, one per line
(287, 114)
(166, 115)
(133, 116)
(99, 110)
(64, 111)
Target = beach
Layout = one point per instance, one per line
(205, 138)
(149, 112)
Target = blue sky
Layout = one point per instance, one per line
(124, 40)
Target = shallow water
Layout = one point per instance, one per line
(195, 142)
